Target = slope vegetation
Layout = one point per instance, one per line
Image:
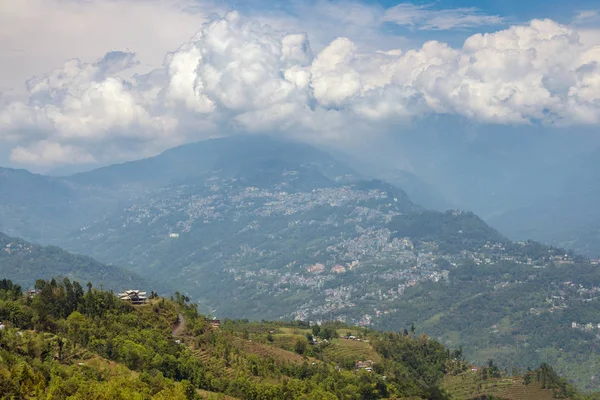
(23, 261)
(64, 343)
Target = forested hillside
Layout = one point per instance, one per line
(76, 343)
(24, 261)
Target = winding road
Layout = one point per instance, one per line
(177, 329)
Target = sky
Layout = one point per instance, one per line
(86, 83)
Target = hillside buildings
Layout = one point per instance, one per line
(133, 296)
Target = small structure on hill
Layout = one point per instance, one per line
(33, 292)
(133, 296)
(366, 365)
(215, 323)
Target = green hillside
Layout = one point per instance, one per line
(66, 342)
(23, 261)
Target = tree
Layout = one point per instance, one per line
(328, 332)
(300, 346)
(412, 328)
(76, 325)
(188, 389)
(316, 329)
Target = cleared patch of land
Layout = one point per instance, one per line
(341, 349)
(469, 385)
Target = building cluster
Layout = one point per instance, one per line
(357, 261)
(586, 327)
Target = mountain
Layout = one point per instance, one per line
(562, 209)
(64, 342)
(229, 157)
(22, 261)
(257, 204)
(261, 228)
(30, 202)
(44, 208)
(528, 182)
(417, 189)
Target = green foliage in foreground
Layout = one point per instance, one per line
(74, 342)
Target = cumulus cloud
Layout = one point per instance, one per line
(83, 101)
(237, 75)
(426, 17)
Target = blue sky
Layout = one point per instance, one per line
(511, 12)
(515, 10)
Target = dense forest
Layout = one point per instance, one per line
(65, 340)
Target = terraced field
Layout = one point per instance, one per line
(337, 350)
(267, 351)
(468, 386)
(341, 349)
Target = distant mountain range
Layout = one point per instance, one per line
(528, 182)
(261, 228)
(558, 205)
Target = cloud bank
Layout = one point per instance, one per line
(237, 75)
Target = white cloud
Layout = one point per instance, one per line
(84, 102)
(586, 17)
(425, 17)
(36, 35)
(589, 37)
(45, 153)
(237, 75)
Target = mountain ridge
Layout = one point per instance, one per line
(21, 260)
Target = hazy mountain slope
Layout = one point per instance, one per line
(562, 208)
(23, 262)
(32, 204)
(44, 208)
(229, 156)
(419, 191)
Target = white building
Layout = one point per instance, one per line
(133, 296)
